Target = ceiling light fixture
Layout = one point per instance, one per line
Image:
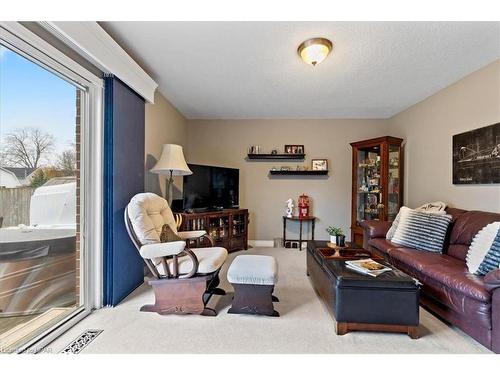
(314, 50)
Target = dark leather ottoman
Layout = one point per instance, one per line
(388, 302)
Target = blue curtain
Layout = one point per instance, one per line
(123, 178)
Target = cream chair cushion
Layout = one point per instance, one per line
(253, 269)
(210, 259)
(162, 249)
(148, 213)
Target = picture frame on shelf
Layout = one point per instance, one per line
(319, 164)
(294, 149)
(254, 150)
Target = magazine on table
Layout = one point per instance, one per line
(367, 267)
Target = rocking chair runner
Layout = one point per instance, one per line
(184, 279)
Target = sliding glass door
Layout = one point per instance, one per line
(43, 187)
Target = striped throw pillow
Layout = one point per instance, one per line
(421, 230)
(492, 259)
(480, 245)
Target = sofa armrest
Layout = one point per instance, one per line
(492, 280)
(375, 228)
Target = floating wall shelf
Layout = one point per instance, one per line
(298, 173)
(276, 156)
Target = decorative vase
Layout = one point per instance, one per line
(333, 239)
(340, 241)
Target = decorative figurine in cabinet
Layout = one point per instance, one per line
(377, 182)
(227, 228)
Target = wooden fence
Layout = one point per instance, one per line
(15, 205)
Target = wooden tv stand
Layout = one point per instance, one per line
(228, 228)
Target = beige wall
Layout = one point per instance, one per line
(164, 124)
(428, 127)
(225, 143)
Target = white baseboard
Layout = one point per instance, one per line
(261, 243)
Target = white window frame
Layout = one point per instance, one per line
(22, 41)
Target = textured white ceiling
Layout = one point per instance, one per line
(238, 70)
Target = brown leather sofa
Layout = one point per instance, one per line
(470, 302)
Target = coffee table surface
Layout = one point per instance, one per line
(348, 277)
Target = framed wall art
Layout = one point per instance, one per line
(319, 164)
(476, 156)
(294, 149)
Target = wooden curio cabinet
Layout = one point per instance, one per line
(377, 182)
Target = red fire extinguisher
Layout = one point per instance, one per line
(303, 204)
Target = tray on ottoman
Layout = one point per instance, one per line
(388, 302)
(346, 254)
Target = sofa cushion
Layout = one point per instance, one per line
(465, 227)
(381, 244)
(455, 212)
(457, 251)
(446, 269)
(445, 279)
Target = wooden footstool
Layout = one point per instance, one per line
(253, 278)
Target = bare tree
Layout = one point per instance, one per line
(27, 147)
(66, 162)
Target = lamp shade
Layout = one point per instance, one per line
(172, 159)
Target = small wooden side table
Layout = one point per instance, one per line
(310, 219)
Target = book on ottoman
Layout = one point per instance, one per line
(367, 267)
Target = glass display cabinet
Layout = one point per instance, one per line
(377, 182)
(218, 227)
(227, 228)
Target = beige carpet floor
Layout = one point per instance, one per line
(305, 326)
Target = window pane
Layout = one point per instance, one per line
(39, 202)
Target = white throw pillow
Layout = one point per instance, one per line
(394, 226)
(480, 245)
(433, 207)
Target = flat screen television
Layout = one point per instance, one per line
(210, 188)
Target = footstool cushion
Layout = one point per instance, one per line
(253, 269)
(253, 278)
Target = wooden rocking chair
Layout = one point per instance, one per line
(184, 278)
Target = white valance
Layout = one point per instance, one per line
(92, 42)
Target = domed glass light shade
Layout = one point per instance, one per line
(315, 50)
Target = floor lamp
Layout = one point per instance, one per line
(171, 163)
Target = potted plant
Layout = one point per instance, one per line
(340, 240)
(334, 232)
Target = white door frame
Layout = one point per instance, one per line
(22, 41)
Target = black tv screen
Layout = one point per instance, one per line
(211, 188)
